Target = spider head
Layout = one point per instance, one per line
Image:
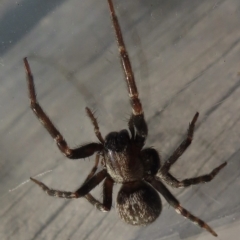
(138, 203)
(117, 141)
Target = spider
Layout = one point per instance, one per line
(124, 159)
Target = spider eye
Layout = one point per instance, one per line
(117, 141)
(138, 203)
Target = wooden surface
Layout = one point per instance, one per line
(186, 58)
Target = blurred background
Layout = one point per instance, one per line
(186, 58)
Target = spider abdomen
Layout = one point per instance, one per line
(138, 203)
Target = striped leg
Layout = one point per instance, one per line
(138, 116)
(81, 192)
(81, 152)
(95, 124)
(100, 206)
(170, 180)
(178, 208)
(181, 149)
(107, 197)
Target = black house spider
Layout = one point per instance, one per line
(123, 158)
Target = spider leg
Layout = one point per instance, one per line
(181, 149)
(81, 192)
(178, 208)
(89, 196)
(107, 193)
(101, 207)
(107, 197)
(151, 161)
(95, 124)
(138, 116)
(169, 179)
(94, 169)
(81, 152)
(107, 190)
